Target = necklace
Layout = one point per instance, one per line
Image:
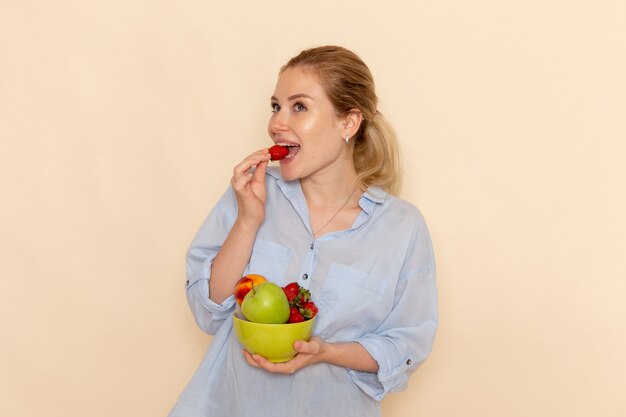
(315, 233)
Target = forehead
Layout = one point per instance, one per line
(296, 80)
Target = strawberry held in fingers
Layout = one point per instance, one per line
(278, 152)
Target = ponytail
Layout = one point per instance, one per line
(376, 156)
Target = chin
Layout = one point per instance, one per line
(288, 174)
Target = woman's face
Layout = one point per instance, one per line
(304, 118)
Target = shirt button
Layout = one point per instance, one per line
(312, 245)
(305, 276)
(409, 362)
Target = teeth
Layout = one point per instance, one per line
(287, 145)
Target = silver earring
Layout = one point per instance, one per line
(347, 139)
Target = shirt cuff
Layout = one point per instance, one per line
(209, 315)
(393, 369)
(216, 309)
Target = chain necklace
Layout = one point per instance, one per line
(315, 233)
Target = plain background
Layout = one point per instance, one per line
(120, 122)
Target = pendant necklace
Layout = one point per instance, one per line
(315, 233)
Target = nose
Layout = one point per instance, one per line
(278, 122)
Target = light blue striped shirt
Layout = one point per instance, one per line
(373, 283)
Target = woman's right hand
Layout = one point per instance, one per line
(249, 187)
(231, 260)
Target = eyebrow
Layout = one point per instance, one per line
(295, 96)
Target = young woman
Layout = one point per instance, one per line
(327, 218)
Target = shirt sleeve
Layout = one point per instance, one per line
(405, 338)
(206, 244)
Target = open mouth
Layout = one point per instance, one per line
(293, 149)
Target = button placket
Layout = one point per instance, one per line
(308, 266)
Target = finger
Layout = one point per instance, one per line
(310, 348)
(250, 359)
(262, 151)
(263, 363)
(259, 361)
(241, 181)
(279, 368)
(260, 155)
(252, 160)
(259, 174)
(244, 166)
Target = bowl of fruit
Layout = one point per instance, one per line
(269, 319)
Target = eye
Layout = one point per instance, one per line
(275, 107)
(298, 106)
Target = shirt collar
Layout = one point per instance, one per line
(289, 188)
(372, 197)
(375, 195)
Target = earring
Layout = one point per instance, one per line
(347, 139)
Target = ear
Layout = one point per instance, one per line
(351, 123)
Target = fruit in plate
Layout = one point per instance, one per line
(266, 303)
(278, 152)
(244, 285)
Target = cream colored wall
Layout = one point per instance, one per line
(120, 122)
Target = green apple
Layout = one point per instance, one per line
(266, 303)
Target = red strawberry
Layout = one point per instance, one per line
(296, 294)
(308, 310)
(305, 295)
(278, 152)
(295, 316)
(291, 291)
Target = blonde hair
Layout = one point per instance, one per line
(349, 85)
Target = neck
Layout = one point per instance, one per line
(329, 190)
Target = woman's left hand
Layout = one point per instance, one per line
(308, 353)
